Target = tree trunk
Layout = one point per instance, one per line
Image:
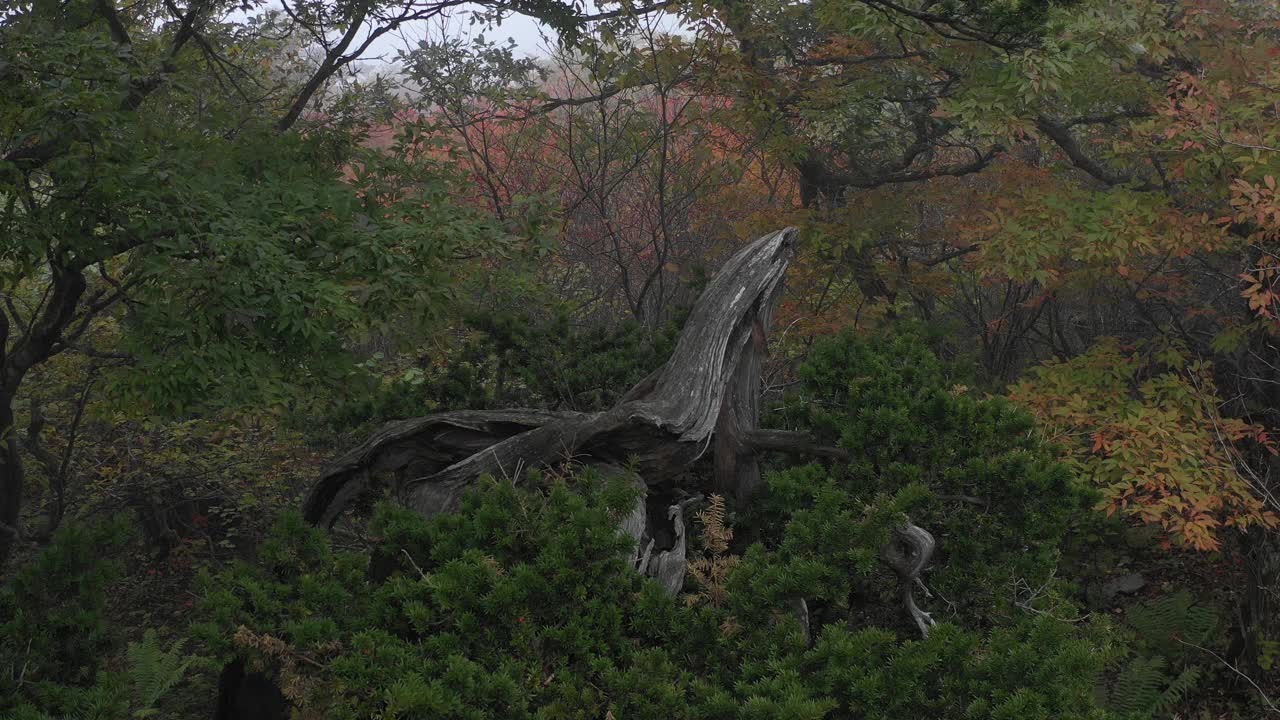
(709, 386)
(11, 481)
(706, 396)
(37, 344)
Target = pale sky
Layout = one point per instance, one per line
(532, 38)
(527, 33)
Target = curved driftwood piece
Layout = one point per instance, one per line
(907, 554)
(665, 564)
(668, 566)
(709, 387)
(413, 448)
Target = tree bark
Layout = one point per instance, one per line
(11, 480)
(706, 396)
(660, 427)
(907, 554)
(34, 346)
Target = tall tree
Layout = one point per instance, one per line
(178, 167)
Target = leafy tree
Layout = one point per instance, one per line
(159, 169)
(1148, 431)
(642, 165)
(204, 209)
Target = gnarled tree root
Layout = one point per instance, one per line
(907, 554)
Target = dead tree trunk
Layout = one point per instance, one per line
(666, 422)
(704, 399)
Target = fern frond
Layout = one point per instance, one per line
(711, 572)
(1161, 622)
(154, 671)
(1139, 688)
(1178, 688)
(716, 534)
(1151, 683)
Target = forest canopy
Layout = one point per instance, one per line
(723, 359)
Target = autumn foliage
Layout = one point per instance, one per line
(1146, 428)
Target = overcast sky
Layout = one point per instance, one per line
(527, 33)
(531, 37)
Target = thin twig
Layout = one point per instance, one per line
(414, 564)
(1270, 705)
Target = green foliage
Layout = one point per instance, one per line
(969, 470)
(1143, 687)
(154, 209)
(54, 660)
(1165, 624)
(249, 254)
(1038, 668)
(52, 609)
(55, 631)
(520, 605)
(518, 360)
(154, 671)
(210, 245)
(1163, 668)
(534, 357)
(300, 264)
(821, 540)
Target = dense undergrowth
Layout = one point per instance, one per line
(520, 604)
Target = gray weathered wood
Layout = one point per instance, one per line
(907, 554)
(663, 424)
(668, 566)
(705, 397)
(413, 448)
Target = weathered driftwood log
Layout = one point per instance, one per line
(706, 397)
(667, 566)
(414, 448)
(707, 392)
